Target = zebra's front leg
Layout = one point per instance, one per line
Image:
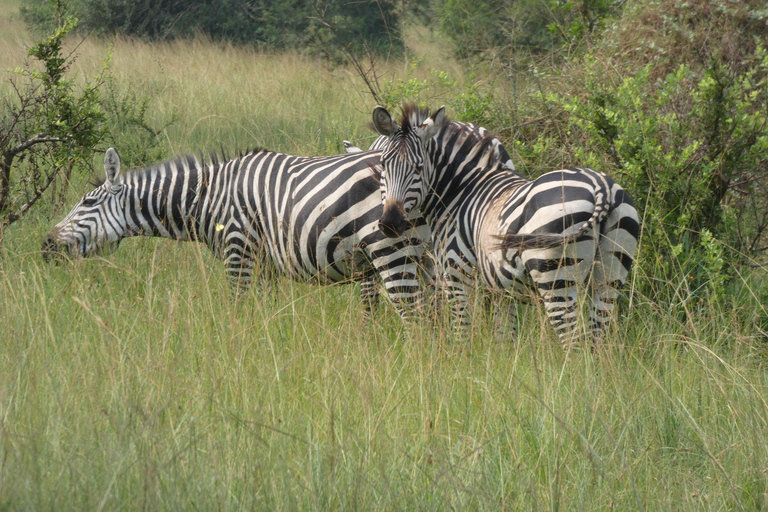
(369, 293)
(398, 270)
(457, 284)
(239, 266)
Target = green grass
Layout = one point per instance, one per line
(134, 382)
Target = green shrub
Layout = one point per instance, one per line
(470, 102)
(48, 127)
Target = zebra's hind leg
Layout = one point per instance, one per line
(615, 254)
(558, 276)
(505, 315)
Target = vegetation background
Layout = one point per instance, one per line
(133, 381)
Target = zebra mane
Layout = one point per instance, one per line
(412, 116)
(183, 160)
(472, 144)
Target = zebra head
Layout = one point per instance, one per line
(406, 167)
(97, 222)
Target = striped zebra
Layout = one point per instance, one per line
(311, 218)
(429, 276)
(556, 233)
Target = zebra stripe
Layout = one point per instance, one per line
(311, 218)
(555, 234)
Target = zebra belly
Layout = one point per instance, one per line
(332, 254)
(508, 275)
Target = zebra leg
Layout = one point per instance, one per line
(238, 258)
(458, 281)
(369, 292)
(504, 311)
(615, 254)
(239, 267)
(558, 275)
(398, 269)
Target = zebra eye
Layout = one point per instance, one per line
(90, 201)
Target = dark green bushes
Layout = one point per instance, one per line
(317, 26)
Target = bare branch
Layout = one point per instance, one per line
(37, 139)
(369, 77)
(13, 217)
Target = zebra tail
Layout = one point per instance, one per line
(522, 241)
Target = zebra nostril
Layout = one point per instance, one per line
(49, 248)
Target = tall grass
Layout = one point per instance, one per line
(133, 381)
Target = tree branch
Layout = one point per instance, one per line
(37, 139)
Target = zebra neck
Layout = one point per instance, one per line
(163, 199)
(463, 186)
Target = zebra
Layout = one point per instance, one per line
(501, 152)
(428, 275)
(553, 233)
(311, 218)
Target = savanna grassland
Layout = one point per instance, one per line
(135, 382)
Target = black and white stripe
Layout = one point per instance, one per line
(555, 234)
(311, 218)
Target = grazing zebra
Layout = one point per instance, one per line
(313, 219)
(551, 233)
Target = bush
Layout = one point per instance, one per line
(47, 129)
(685, 133)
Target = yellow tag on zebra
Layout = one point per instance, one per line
(219, 227)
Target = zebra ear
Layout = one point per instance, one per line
(111, 165)
(431, 126)
(382, 121)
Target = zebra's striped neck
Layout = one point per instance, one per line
(163, 200)
(464, 168)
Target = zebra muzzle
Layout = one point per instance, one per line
(393, 222)
(52, 250)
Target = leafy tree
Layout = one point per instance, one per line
(47, 126)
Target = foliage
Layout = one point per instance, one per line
(687, 136)
(471, 102)
(137, 137)
(319, 25)
(47, 128)
(520, 28)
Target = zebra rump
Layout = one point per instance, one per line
(523, 241)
